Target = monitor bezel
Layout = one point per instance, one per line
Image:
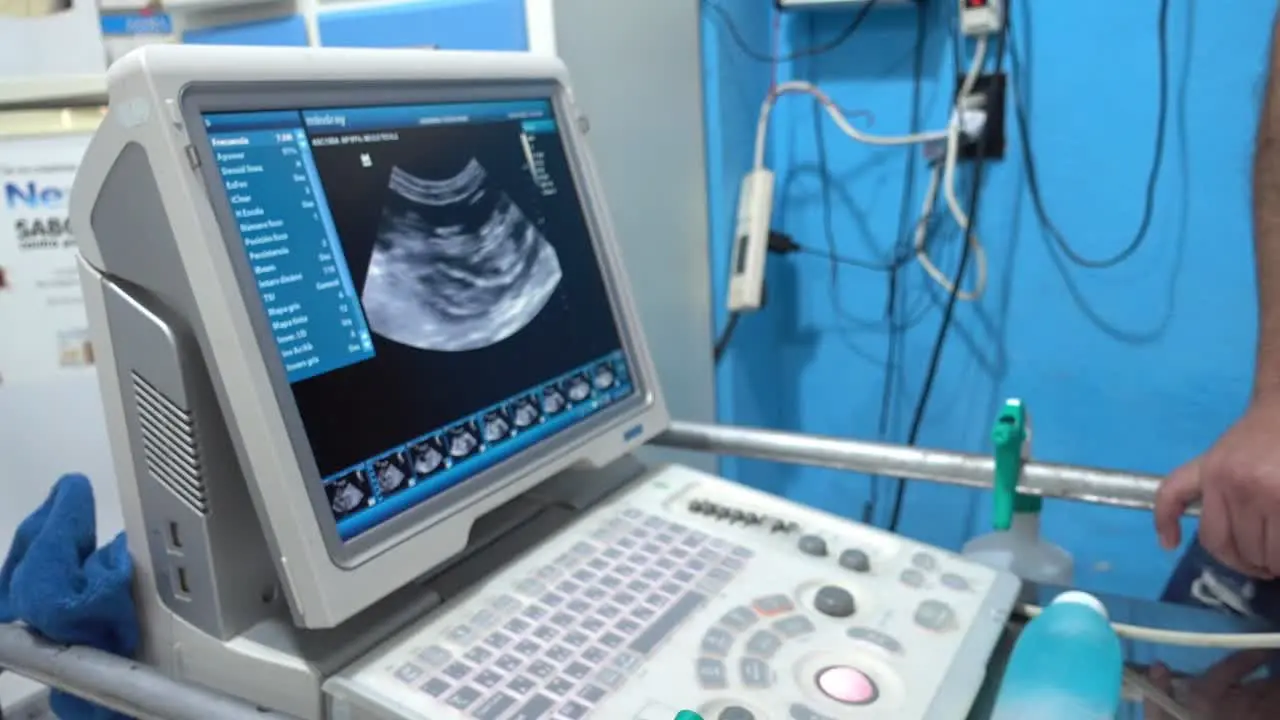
(198, 99)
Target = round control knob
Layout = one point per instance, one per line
(834, 602)
(855, 560)
(736, 712)
(848, 685)
(813, 545)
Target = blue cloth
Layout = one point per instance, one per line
(59, 583)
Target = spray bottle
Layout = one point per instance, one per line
(1016, 545)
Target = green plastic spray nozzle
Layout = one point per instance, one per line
(1011, 435)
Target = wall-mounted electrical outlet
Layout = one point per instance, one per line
(989, 93)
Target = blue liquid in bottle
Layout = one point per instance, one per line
(1066, 665)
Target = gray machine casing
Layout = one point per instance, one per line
(203, 451)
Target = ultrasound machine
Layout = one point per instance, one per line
(374, 379)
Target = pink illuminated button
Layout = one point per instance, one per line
(847, 685)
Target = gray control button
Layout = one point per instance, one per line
(494, 707)
(773, 604)
(477, 655)
(435, 656)
(739, 618)
(563, 619)
(541, 669)
(535, 708)
(627, 626)
(548, 572)
(559, 654)
(528, 648)
(534, 612)
(875, 637)
(675, 615)
(461, 634)
(592, 624)
(497, 640)
(576, 639)
(595, 655)
(552, 599)
(626, 661)
(612, 640)
(736, 712)
(794, 626)
(521, 684)
(517, 625)
(764, 644)
(545, 633)
(435, 687)
(408, 672)
(457, 670)
(712, 674)
(855, 560)
(756, 673)
(464, 698)
(508, 662)
(582, 547)
(484, 619)
(935, 615)
(912, 578)
(955, 582)
(531, 587)
(834, 602)
(578, 670)
(560, 686)
(813, 545)
(506, 603)
(924, 561)
(804, 712)
(488, 678)
(573, 710)
(610, 678)
(717, 641)
(597, 564)
(591, 693)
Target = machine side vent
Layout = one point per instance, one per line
(169, 445)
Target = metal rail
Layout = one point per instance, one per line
(1104, 487)
(125, 686)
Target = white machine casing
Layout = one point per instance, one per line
(160, 291)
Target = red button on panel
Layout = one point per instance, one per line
(847, 685)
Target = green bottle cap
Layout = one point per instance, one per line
(688, 715)
(1010, 436)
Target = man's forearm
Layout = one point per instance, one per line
(1266, 222)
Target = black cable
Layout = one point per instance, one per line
(1153, 178)
(818, 49)
(935, 357)
(726, 335)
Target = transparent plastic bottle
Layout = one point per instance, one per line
(1066, 665)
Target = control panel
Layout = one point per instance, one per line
(691, 592)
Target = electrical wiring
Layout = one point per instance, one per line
(837, 116)
(1184, 638)
(945, 177)
(1051, 228)
(726, 335)
(819, 49)
(953, 297)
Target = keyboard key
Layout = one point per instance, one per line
(457, 670)
(578, 606)
(508, 662)
(408, 673)
(552, 600)
(651, 575)
(546, 633)
(506, 604)
(560, 686)
(573, 710)
(559, 654)
(478, 655)
(461, 634)
(584, 576)
(583, 548)
(484, 620)
(531, 587)
(578, 670)
(435, 687)
(534, 612)
(665, 563)
(612, 640)
(548, 573)
(488, 678)
(610, 678)
(595, 655)
(521, 684)
(494, 707)
(595, 593)
(593, 624)
(610, 581)
(541, 669)
(637, 586)
(597, 564)
(576, 639)
(625, 570)
(463, 698)
(563, 619)
(642, 613)
(497, 640)
(528, 648)
(592, 693)
(627, 626)
(608, 612)
(568, 587)
(675, 615)
(624, 598)
(435, 656)
(534, 709)
(517, 625)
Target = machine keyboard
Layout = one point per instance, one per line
(574, 630)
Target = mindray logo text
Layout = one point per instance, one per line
(35, 196)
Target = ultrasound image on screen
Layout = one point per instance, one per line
(470, 252)
(457, 265)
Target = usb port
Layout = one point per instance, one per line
(175, 540)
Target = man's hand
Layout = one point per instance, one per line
(1238, 485)
(1222, 692)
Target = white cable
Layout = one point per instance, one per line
(1184, 638)
(1158, 697)
(946, 178)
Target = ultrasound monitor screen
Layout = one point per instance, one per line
(430, 281)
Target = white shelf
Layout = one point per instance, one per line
(70, 89)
